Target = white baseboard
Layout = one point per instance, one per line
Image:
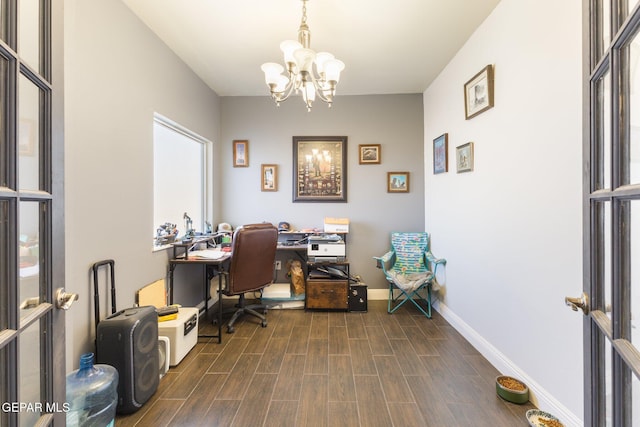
(377, 294)
(538, 395)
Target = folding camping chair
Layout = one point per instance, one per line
(410, 268)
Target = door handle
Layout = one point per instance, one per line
(581, 302)
(64, 299)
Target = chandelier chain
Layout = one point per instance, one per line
(304, 12)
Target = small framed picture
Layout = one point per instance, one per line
(440, 150)
(464, 157)
(369, 154)
(478, 93)
(269, 178)
(397, 182)
(240, 153)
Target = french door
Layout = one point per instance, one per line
(32, 362)
(611, 212)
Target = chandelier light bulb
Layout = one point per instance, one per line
(282, 83)
(332, 69)
(288, 47)
(321, 59)
(272, 72)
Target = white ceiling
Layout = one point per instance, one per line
(389, 47)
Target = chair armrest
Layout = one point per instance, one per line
(433, 261)
(386, 261)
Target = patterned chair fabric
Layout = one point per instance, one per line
(410, 269)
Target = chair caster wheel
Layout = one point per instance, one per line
(264, 324)
(230, 329)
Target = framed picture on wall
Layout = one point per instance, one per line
(478, 93)
(240, 153)
(397, 182)
(269, 178)
(464, 157)
(440, 150)
(369, 154)
(319, 168)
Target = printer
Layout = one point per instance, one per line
(326, 248)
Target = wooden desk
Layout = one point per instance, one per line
(212, 266)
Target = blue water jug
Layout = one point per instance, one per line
(92, 394)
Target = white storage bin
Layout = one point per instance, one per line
(182, 333)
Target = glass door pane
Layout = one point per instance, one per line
(633, 55)
(4, 20)
(5, 138)
(635, 409)
(634, 265)
(631, 4)
(5, 273)
(29, 244)
(603, 133)
(29, 135)
(606, 261)
(602, 24)
(608, 383)
(30, 389)
(30, 33)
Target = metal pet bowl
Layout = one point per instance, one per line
(512, 389)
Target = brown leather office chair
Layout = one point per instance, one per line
(253, 253)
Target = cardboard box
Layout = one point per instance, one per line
(336, 225)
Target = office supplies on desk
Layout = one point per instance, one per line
(212, 267)
(207, 254)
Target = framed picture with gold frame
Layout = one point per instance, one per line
(269, 178)
(478, 93)
(240, 153)
(464, 157)
(397, 182)
(369, 154)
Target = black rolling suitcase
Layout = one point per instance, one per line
(128, 341)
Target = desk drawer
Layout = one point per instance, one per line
(327, 294)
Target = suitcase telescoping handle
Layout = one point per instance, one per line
(96, 294)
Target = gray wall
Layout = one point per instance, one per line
(117, 74)
(394, 121)
(511, 229)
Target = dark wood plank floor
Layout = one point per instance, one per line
(332, 369)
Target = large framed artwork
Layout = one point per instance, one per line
(319, 168)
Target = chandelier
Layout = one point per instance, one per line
(302, 77)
